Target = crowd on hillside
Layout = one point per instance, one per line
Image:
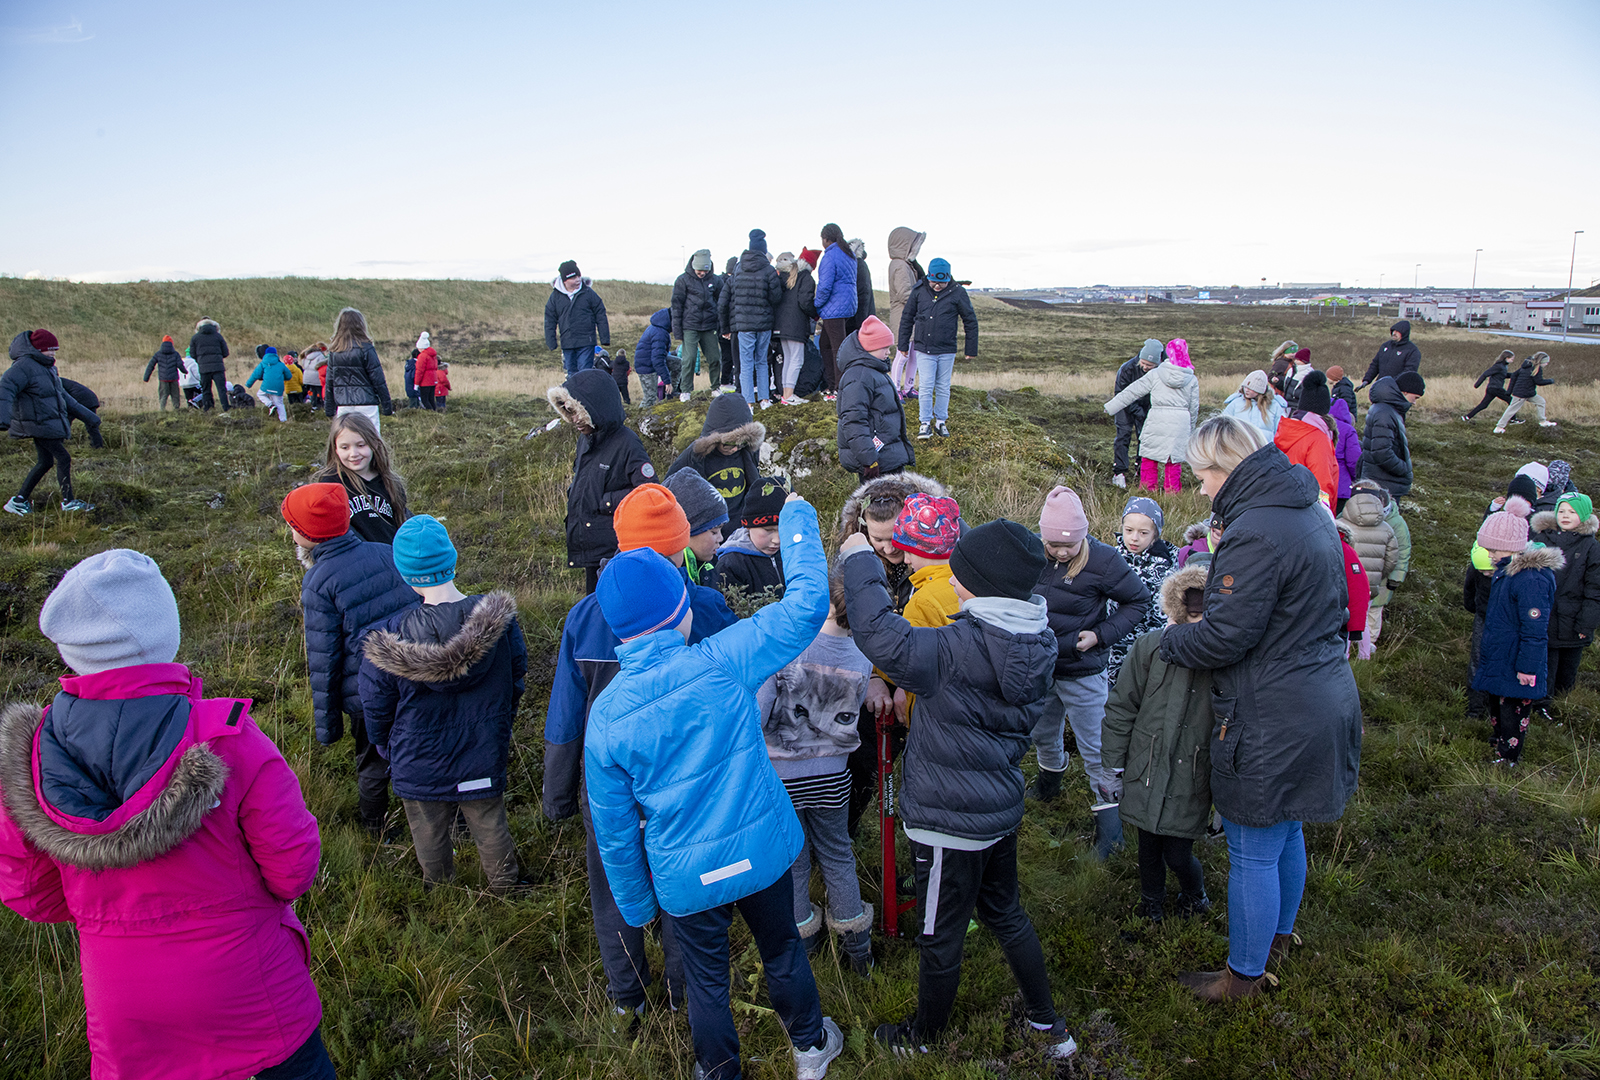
(727, 701)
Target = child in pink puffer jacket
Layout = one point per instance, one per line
(169, 829)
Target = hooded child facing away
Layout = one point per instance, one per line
(611, 461)
(169, 830)
(1385, 450)
(1378, 548)
(650, 357)
(728, 451)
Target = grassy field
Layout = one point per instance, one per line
(1451, 920)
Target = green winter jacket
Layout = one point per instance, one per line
(1158, 728)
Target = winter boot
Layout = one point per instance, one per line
(1189, 905)
(1226, 985)
(1153, 908)
(857, 938)
(811, 931)
(1047, 786)
(1107, 829)
(1281, 944)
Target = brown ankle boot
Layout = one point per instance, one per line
(1225, 985)
(1281, 944)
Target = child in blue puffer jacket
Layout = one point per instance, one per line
(650, 357)
(676, 738)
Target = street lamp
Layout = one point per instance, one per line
(1472, 297)
(1414, 274)
(1566, 301)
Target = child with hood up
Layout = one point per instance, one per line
(1571, 530)
(168, 827)
(1378, 548)
(610, 462)
(728, 451)
(1346, 447)
(1158, 735)
(1152, 559)
(1174, 411)
(650, 357)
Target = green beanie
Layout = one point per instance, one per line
(1581, 504)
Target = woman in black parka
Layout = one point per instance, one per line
(1286, 742)
(34, 405)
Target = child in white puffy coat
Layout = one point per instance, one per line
(1174, 411)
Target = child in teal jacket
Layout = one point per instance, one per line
(271, 374)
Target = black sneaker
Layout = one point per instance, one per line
(942, 428)
(899, 1039)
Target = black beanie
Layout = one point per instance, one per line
(763, 502)
(569, 269)
(1524, 485)
(1314, 395)
(1001, 558)
(1410, 382)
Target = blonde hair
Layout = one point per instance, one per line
(1222, 442)
(789, 267)
(349, 330)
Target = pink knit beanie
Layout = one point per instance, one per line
(1506, 530)
(1062, 521)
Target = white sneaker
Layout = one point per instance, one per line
(813, 1064)
(19, 506)
(1120, 480)
(925, 431)
(766, 403)
(1547, 423)
(683, 397)
(1499, 431)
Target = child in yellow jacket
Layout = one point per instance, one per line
(927, 530)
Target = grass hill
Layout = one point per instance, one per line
(1452, 918)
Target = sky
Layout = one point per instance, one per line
(1037, 144)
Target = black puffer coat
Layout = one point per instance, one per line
(351, 587)
(1287, 741)
(354, 377)
(694, 301)
(1079, 603)
(1385, 451)
(980, 689)
(1393, 357)
(1526, 380)
(930, 320)
(580, 317)
(33, 403)
(611, 462)
(866, 300)
(749, 300)
(1577, 606)
(872, 424)
(796, 308)
(208, 348)
(165, 363)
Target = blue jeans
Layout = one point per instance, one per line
(576, 360)
(1266, 880)
(933, 385)
(703, 941)
(753, 362)
(310, 1062)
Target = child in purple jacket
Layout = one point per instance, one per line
(1347, 450)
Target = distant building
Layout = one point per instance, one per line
(1509, 313)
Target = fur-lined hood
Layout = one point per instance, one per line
(1536, 557)
(1545, 521)
(899, 486)
(728, 419)
(442, 663)
(1200, 530)
(1192, 576)
(207, 326)
(589, 397)
(175, 814)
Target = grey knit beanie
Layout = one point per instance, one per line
(112, 610)
(702, 504)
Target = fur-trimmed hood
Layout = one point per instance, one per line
(1200, 530)
(440, 645)
(174, 814)
(899, 486)
(1536, 557)
(207, 326)
(728, 419)
(1545, 521)
(1192, 576)
(589, 397)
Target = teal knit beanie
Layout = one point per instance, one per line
(423, 552)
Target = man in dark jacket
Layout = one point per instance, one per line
(1385, 451)
(982, 684)
(35, 405)
(577, 312)
(1397, 354)
(728, 451)
(611, 462)
(1495, 375)
(1286, 747)
(695, 322)
(1130, 420)
(872, 425)
(167, 365)
(350, 586)
(928, 324)
(208, 349)
(746, 309)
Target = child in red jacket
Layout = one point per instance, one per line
(1355, 579)
(441, 386)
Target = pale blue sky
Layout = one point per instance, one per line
(1036, 143)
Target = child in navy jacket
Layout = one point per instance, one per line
(1513, 661)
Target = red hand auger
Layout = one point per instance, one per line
(893, 906)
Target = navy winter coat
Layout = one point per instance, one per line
(1079, 603)
(33, 402)
(354, 377)
(872, 423)
(650, 356)
(982, 682)
(1526, 380)
(1287, 741)
(740, 564)
(1393, 357)
(930, 320)
(440, 685)
(836, 283)
(166, 363)
(694, 301)
(1516, 626)
(580, 317)
(208, 348)
(749, 301)
(351, 587)
(1385, 451)
(611, 462)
